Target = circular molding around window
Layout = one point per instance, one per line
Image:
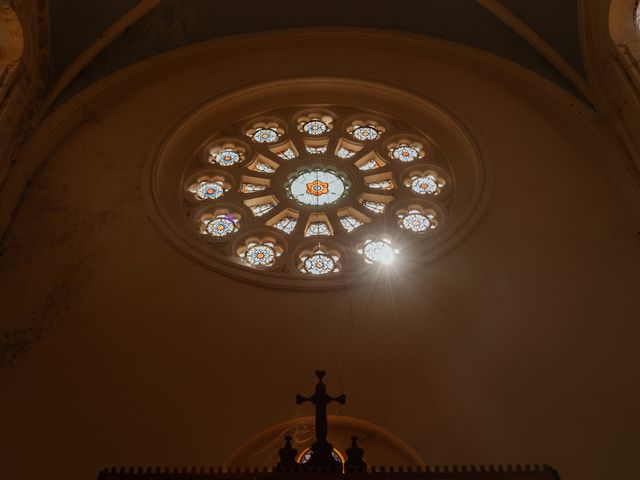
(313, 182)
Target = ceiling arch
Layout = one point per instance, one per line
(77, 25)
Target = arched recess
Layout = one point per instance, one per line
(609, 39)
(381, 446)
(11, 47)
(624, 25)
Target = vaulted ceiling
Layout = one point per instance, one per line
(159, 26)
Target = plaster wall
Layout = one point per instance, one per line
(516, 347)
(24, 60)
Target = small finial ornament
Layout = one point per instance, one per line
(288, 455)
(355, 454)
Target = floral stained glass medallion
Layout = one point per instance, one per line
(226, 157)
(213, 190)
(379, 251)
(315, 127)
(220, 226)
(405, 153)
(424, 185)
(365, 133)
(260, 255)
(416, 222)
(320, 263)
(319, 187)
(265, 135)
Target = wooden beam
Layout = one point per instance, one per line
(92, 51)
(537, 42)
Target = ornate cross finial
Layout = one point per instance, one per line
(321, 450)
(288, 456)
(355, 461)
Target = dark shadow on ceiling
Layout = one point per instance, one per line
(176, 23)
(556, 21)
(76, 24)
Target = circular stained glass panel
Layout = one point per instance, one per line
(302, 199)
(260, 256)
(226, 157)
(416, 222)
(366, 133)
(315, 127)
(405, 153)
(220, 227)
(319, 187)
(265, 135)
(424, 185)
(378, 251)
(209, 190)
(319, 264)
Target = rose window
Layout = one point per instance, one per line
(320, 194)
(317, 193)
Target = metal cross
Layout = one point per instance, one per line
(321, 399)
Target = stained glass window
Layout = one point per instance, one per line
(346, 177)
(305, 456)
(345, 153)
(261, 209)
(378, 251)
(381, 185)
(405, 153)
(316, 150)
(287, 154)
(261, 255)
(317, 228)
(252, 187)
(350, 223)
(366, 133)
(424, 185)
(319, 264)
(286, 224)
(376, 207)
(226, 157)
(416, 222)
(369, 165)
(265, 135)
(220, 226)
(319, 187)
(315, 127)
(205, 190)
(263, 167)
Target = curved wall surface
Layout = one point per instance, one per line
(514, 347)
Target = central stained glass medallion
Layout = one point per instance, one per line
(318, 187)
